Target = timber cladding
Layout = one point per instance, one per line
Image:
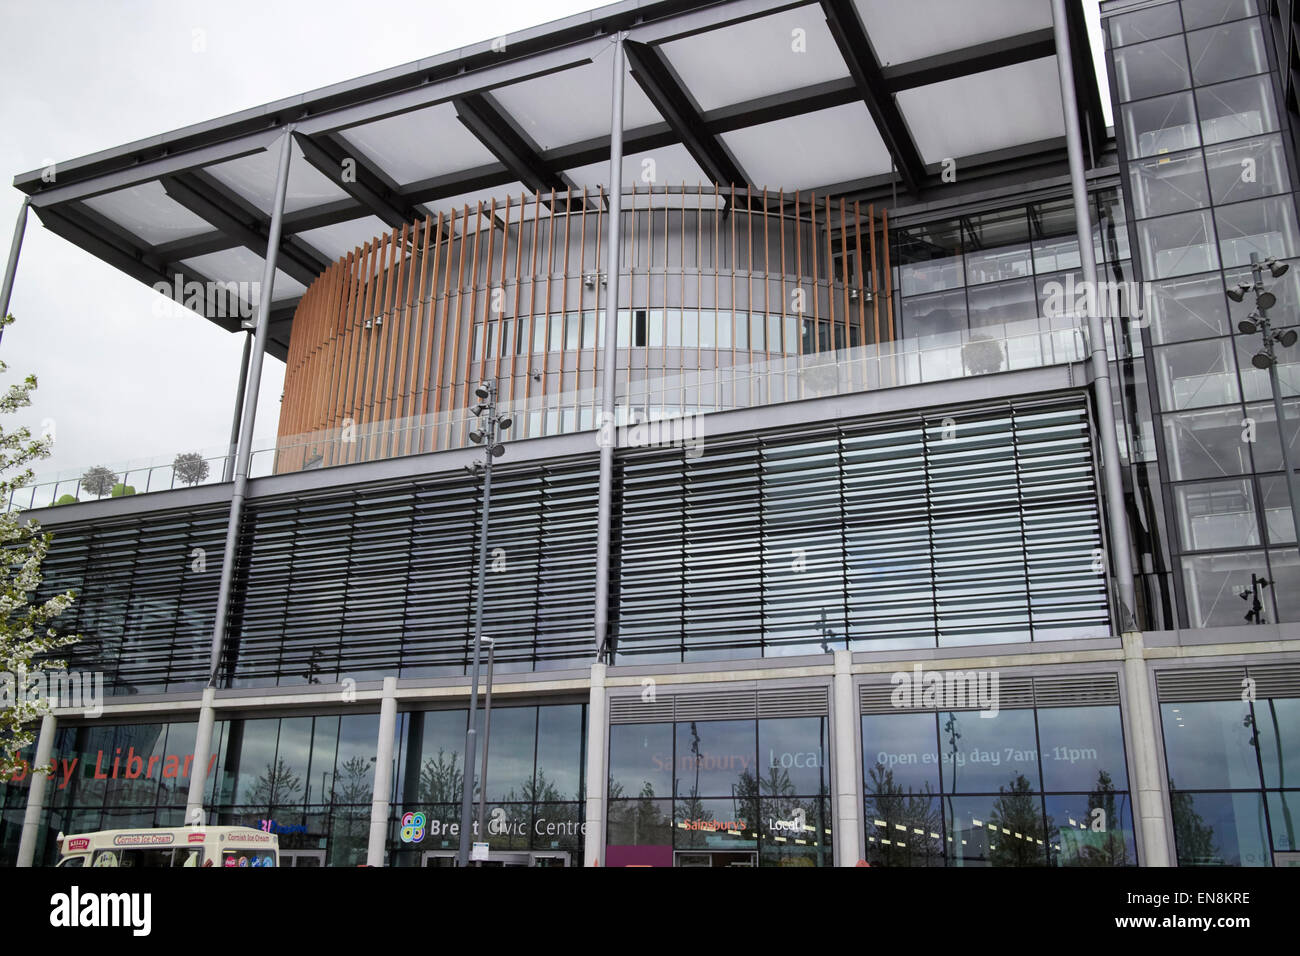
(390, 341)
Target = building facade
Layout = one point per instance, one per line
(864, 599)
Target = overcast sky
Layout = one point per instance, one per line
(118, 382)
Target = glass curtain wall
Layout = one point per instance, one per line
(1210, 183)
(1234, 779)
(1043, 786)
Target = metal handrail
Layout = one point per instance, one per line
(785, 378)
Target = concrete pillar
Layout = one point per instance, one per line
(383, 789)
(597, 738)
(847, 787)
(36, 792)
(202, 757)
(1147, 784)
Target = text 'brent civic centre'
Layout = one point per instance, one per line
(900, 465)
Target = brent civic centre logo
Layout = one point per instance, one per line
(413, 825)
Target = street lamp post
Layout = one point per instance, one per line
(1266, 359)
(487, 741)
(491, 426)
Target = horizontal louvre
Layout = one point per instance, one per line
(1200, 683)
(721, 705)
(726, 705)
(1013, 692)
(1276, 680)
(938, 531)
(634, 710)
(362, 584)
(1072, 691)
(146, 595)
(876, 699)
(793, 702)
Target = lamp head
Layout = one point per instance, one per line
(1287, 337)
(476, 437)
(1247, 326)
(1239, 292)
(498, 450)
(484, 391)
(505, 422)
(1275, 268)
(1262, 361)
(1266, 300)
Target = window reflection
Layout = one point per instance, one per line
(1219, 829)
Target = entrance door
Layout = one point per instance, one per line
(302, 858)
(502, 858)
(550, 858)
(709, 858)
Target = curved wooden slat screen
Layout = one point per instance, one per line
(400, 331)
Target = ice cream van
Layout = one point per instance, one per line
(174, 846)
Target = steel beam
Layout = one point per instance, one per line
(955, 64)
(655, 76)
(208, 199)
(490, 125)
(328, 155)
(851, 37)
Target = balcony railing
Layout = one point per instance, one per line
(1022, 345)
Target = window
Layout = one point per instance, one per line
(1265, 227)
(1236, 110)
(1165, 124)
(991, 811)
(1145, 25)
(1151, 68)
(1178, 245)
(730, 797)
(1227, 52)
(1215, 515)
(1188, 308)
(1197, 374)
(1246, 170)
(1166, 184)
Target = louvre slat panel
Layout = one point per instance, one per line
(364, 584)
(793, 702)
(1200, 683)
(1083, 691)
(938, 532)
(1227, 683)
(1276, 680)
(724, 705)
(877, 697)
(145, 598)
(634, 710)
